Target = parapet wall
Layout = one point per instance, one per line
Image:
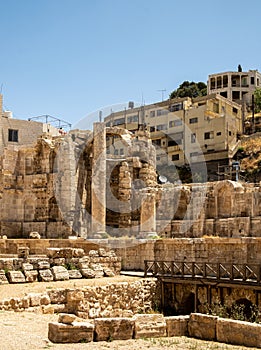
(207, 249)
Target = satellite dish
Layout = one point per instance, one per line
(163, 179)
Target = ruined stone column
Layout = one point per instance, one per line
(98, 189)
(148, 214)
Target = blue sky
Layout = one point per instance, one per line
(68, 58)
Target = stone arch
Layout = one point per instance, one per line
(29, 209)
(243, 308)
(225, 193)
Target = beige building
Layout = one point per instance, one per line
(186, 131)
(18, 132)
(236, 86)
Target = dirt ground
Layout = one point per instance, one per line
(29, 331)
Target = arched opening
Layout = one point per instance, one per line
(244, 310)
(187, 305)
(54, 212)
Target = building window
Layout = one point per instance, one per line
(193, 120)
(121, 151)
(229, 133)
(12, 135)
(175, 157)
(152, 128)
(176, 122)
(116, 152)
(235, 110)
(215, 107)
(161, 112)
(176, 107)
(219, 133)
(193, 154)
(193, 138)
(209, 135)
(133, 119)
(156, 142)
(152, 114)
(252, 80)
(119, 121)
(162, 127)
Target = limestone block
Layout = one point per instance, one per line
(149, 326)
(27, 267)
(239, 332)
(58, 261)
(58, 296)
(84, 264)
(73, 333)
(37, 299)
(60, 273)
(177, 326)
(97, 269)
(108, 272)
(102, 252)
(74, 274)
(202, 326)
(113, 328)
(34, 235)
(88, 273)
(15, 277)
(3, 278)
(43, 265)
(93, 253)
(45, 275)
(31, 276)
(66, 318)
(75, 295)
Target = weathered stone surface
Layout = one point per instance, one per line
(58, 296)
(45, 275)
(43, 265)
(34, 235)
(177, 326)
(74, 274)
(31, 276)
(202, 326)
(15, 277)
(3, 278)
(23, 252)
(108, 272)
(27, 267)
(75, 295)
(60, 273)
(88, 273)
(239, 332)
(37, 299)
(113, 328)
(66, 318)
(149, 326)
(73, 333)
(97, 269)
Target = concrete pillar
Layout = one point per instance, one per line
(148, 214)
(98, 190)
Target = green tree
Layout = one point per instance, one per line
(257, 96)
(190, 89)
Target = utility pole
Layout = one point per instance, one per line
(162, 93)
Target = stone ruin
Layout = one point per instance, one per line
(58, 264)
(69, 185)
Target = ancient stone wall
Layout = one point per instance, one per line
(112, 300)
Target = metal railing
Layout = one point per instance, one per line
(220, 272)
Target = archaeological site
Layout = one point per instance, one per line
(72, 208)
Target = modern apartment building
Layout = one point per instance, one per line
(186, 131)
(236, 86)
